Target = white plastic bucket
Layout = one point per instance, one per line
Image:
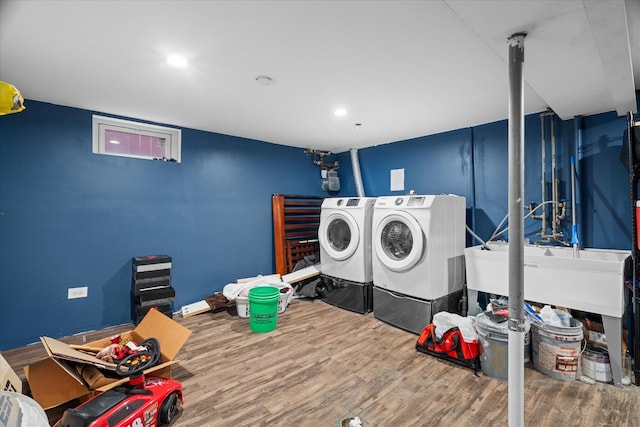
(242, 306)
(556, 349)
(283, 301)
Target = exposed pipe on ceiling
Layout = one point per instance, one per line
(328, 171)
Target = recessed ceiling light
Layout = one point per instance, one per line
(339, 112)
(177, 61)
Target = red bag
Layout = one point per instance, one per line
(451, 347)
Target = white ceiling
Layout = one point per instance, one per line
(402, 69)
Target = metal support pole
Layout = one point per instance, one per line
(516, 232)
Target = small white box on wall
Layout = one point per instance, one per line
(397, 180)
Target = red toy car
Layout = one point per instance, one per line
(153, 402)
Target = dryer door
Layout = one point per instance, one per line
(339, 235)
(398, 241)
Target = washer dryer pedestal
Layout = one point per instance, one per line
(408, 313)
(346, 294)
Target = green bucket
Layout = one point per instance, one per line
(263, 308)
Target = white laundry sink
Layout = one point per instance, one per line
(593, 282)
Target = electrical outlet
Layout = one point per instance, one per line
(80, 292)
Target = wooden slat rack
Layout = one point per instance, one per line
(296, 220)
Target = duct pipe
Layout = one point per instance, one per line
(472, 175)
(543, 214)
(357, 177)
(577, 122)
(554, 194)
(516, 232)
(575, 242)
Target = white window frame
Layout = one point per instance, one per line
(172, 136)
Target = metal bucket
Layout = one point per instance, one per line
(494, 346)
(556, 349)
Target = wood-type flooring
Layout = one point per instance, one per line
(323, 363)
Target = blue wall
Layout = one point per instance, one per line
(474, 163)
(70, 218)
(605, 189)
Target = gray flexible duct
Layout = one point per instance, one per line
(357, 177)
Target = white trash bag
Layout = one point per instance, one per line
(443, 321)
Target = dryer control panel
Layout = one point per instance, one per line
(416, 201)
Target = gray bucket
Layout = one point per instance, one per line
(556, 349)
(494, 346)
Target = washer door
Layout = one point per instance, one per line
(339, 235)
(398, 241)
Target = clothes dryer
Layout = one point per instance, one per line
(345, 252)
(418, 258)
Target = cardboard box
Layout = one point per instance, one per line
(63, 376)
(51, 385)
(9, 380)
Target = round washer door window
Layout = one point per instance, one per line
(339, 235)
(398, 241)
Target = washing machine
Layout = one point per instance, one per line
(345, 252)
(418, 258)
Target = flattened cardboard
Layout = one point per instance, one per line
(302, 274)
(55, 380)
(195, 308)
(59, 350)
(9, 380)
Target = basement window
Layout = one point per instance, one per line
(116, 137)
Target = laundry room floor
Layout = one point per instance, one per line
(322, 363)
